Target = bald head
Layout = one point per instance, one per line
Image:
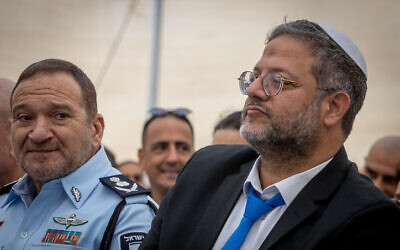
(9, 171)
(6, 87)
(390, 144)
(382, 164)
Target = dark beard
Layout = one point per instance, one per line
(286, 138)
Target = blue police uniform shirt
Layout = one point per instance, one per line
(72, 212)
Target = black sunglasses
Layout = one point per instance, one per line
(180, 112)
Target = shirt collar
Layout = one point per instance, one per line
(83, 181)
(289, 187)
(79, 184)
(24, 188)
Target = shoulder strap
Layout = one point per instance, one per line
(108, 234)
(124, 187)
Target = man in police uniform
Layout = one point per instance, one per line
(71, 196)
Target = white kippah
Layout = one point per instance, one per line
(347, 45)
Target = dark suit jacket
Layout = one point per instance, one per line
(338, 209)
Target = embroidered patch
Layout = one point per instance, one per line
(69, 221)
(76, 193)
(61, 237)
(1, 223)
(131, 240)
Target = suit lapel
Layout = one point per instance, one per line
(293, 216)
(219, 209)
(321, 187)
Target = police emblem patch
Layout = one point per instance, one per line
(61, 237)
(69, 221)
(131, 240)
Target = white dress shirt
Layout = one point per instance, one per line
(289, 189)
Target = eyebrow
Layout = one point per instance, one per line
(276, 70)
(369, 169)
(52, 105)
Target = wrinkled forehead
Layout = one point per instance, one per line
(56, 85)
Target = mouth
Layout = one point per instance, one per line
(253, 110)
(170, 171)
(41, 151)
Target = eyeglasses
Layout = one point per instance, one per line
(180, 112)
(272, 83)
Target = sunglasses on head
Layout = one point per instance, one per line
(180, 112)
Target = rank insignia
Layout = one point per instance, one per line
(123, 186)
(76, 193)
(69, 221)
(61, 237)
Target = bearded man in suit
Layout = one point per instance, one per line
(302, 98)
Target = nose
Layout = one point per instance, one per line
(256, 89)
(173, 156)
(41, 131)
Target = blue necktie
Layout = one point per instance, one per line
(255, 208)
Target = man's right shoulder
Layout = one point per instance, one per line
(225, 154)
(223, 159)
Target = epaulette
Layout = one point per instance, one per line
(123, 186)
(7, 188)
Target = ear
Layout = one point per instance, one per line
(140, 156)
(336, 106)
(98, 129)
(7, 143)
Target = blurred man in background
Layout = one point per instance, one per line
(9, 170)
(382, 164)
(135, 172)
(167, 144)
(227, 130)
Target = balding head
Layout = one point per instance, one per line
(6, 87)
(9, 171)
(382, 164)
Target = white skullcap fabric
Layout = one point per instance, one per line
(347, 45)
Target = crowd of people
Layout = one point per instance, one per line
(277, 176)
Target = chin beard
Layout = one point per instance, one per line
(65, 166)
(286, 138)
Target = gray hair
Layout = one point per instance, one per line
(333, 69)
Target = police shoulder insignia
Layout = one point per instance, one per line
(123, 186)
(130, 240)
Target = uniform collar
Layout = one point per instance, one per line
(23, 187)
(79, 184)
